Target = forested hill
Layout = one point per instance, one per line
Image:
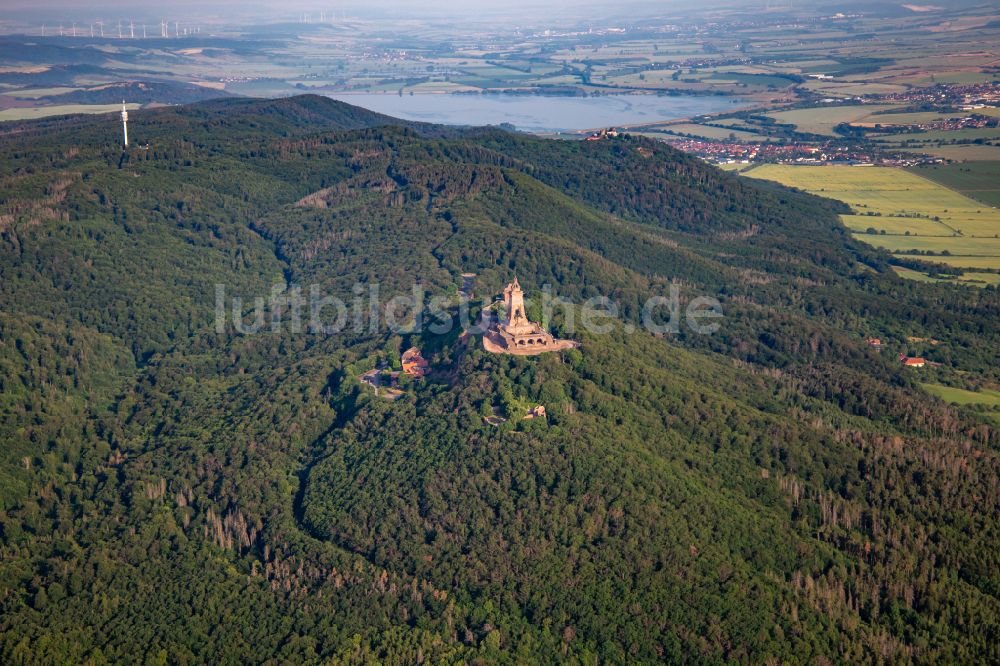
(774, 492)
(225, 118)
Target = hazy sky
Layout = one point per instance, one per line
(316, 5)
(554, 7)
(471, 5)
(559, 12)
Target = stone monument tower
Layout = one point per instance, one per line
(513, 300)
(517, 334)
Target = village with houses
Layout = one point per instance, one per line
(899, 129)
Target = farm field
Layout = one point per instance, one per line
(962, 78)
(970, 278)
(560, 80)
(890, 192)
(967, 153)
(749, 79)
(38, 93)
(851, 89)
(704, 81)
(983, 278)
(708, 132)
(964, 262)
(903, 118)
(989, 133)
(437, 87)
(822, 120)
(977, 180)
(916, 276)
(959, 396)
(60, 110)
(740, 123)
(956, 246)
(937, 219)
(897, 225)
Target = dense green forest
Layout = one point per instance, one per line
(775, 492)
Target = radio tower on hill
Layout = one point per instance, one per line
(125, 123)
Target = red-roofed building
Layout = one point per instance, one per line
(414, 364)
(912, 361)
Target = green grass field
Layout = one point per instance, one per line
(916, 276)
(905, 202)
(851, 89)
(764, 80)
(958, 396)
(823, 119)
(988, 133)
(962, 153)
(985, 263)
(984, 279)
(736, 166)
(904, 118)
(977, 180)
(717, 133)
(59, 110)
(950, 77)
(38, 93)
(969, 278)
(961, 246)
(890, 192)
(897, 225)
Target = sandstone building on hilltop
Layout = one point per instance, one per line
(516, 334)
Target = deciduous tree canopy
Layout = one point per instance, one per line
(777, 491)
